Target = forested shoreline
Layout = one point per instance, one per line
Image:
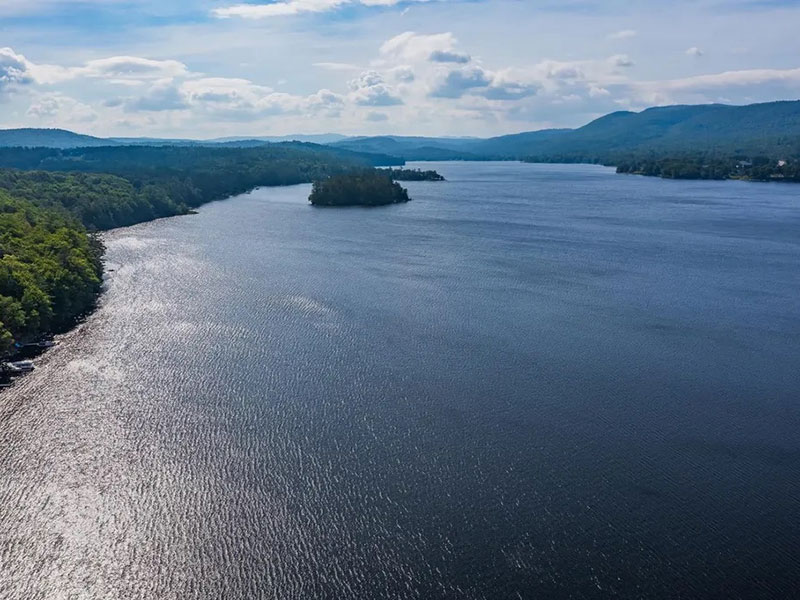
(759, 168)
(691, 166)
(52, 200)
(120, 186)
(50, 271)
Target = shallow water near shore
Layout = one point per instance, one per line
(533, 381)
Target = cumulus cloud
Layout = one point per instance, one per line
(505, 87)
(237, 99)
(14, 69)
(60, 109)
(163, 95)
(414, 81)
(456, 83)
(370, 89)
(326, 103)
(694, 51)
(227, 99)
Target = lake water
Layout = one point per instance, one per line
(533, 381)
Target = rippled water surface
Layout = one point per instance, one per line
(531, 382)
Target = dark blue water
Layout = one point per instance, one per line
(530, 382)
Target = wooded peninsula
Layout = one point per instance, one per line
(52, 200)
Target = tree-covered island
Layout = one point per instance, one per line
(415, 175)
(364, 188)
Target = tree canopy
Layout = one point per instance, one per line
(50, 270)
(365, 188)
(119, 186)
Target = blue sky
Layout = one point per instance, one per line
(207, 68)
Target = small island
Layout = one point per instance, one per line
(364, 188)
(415, 175)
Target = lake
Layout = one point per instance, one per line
(533, 381)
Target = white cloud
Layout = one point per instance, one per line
(277, 9)
(370, 89)
(131, 67)
(414, 83)
(118, 69)
(456, 83)
(294, 7)
(58, 109)
(509, 85)
(163, 95)
(694, 51)
(411, 46)
(14, 69)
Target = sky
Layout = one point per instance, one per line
(214, 68)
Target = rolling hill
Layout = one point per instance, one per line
(49, 138)
(771, 128)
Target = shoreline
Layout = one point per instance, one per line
(33, 353)
(28, 352)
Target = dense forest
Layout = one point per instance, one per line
(119, 186)
(50, 270)
(701, 166)
(286, 161)
(366, 188)
(98, 201)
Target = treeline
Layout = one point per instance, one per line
(690, 165)
(760, 168)
(50, 270)
(415, 175)
(119, 186)
(96, 200)
(365, 188)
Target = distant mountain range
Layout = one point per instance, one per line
(770, 128)
(321, 138)
(61, 138)
(49, 138)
